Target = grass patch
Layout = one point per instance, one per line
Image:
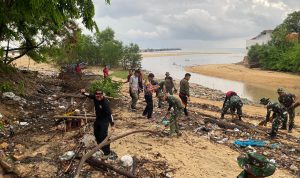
(7, 69)
(120, 74)
(6, 87)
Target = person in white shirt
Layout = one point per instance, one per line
(134, 89)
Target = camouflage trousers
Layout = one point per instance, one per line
(276, 122)
(174, 128)
(233, 106)
(291, 113)
(160, 100)
(169, 90)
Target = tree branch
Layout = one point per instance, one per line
(105, 142)
(26, 51)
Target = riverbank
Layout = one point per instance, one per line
(210, 154)
(259, 77)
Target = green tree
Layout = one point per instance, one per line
(111, 53)
(280, 54)
(34, 23)
(132, 57)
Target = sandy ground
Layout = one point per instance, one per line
(249, 76)
(192, 155)
(26, 62)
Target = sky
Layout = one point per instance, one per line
(191, 24)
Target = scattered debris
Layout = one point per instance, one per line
(67, 156)
(127, 160)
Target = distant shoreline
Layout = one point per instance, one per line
(177, 53)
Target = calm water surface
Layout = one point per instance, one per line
(175, 65)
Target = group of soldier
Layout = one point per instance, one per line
(277, 112)
(281, 111)
(164, 91)
(254, 165)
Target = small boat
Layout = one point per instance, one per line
(187, 59)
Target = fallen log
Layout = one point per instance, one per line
(102, 165)
(223, 124)
(73, 117)
(241, 125)
(248, 126)
(106, 141)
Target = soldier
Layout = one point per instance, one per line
(184, 92)
(287, 100)
(165, 86)
(170, 84)
(255, 166)
(177, 110)
(279, 114)
(234, 103)
(161, 90)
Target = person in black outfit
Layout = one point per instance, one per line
(103, 118)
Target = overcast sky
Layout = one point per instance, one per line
(191, 24)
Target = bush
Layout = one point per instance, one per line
(107, 85)
(7, 69)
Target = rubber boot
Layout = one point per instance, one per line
(222, 116)
(272, 135)
(240, 118)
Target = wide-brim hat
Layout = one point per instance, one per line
(167, 73)
(256, 164)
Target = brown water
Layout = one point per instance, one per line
(175, 65)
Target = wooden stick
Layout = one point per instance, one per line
(73, 117)
(100, 164)
(105, 142)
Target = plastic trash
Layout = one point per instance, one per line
(61, 107)
(67, 156)
(224, 140)
(236, 130)
(23, 123)
(272, 161)
(127, 160)
(245, 143)
(9, 95)
(294, 168)
(165, 122)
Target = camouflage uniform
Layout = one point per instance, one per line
(184, 93)
(287, 100)
(160, 91)
(278, 115)
(233, 103)
(169, 87)
(256, 165)
(177, 109)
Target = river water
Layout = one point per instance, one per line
(175, 65)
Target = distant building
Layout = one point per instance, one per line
(263, 38)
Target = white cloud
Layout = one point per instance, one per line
(154, 23)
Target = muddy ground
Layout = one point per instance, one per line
(33, 142)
